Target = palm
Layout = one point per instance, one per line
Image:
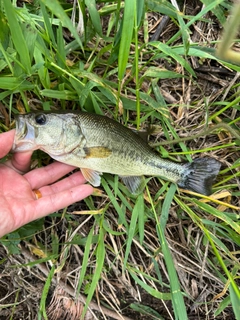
(15, 193)
(18, 202)
(14, 187)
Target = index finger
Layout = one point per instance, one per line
(54, 202)
(40, 177)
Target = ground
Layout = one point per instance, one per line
(135, 280)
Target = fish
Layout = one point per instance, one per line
(98, 144)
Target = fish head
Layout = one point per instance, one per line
(53, 133)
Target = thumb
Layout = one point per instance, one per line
(20, 161)
(6, 142)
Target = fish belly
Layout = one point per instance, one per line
(148, 166)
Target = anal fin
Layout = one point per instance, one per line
(135, 184)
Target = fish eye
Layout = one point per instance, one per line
(40, 119)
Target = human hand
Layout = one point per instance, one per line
(18, 201)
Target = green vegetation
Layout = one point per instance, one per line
(162, 255)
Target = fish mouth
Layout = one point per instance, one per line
(24, 139)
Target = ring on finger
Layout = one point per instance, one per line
(37, 193)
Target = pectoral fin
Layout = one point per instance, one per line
(135, 184)
(92, 176)
(97, 152)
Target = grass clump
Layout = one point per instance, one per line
(164, 254)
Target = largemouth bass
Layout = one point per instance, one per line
(98, 144)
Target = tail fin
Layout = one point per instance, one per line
(200, 175)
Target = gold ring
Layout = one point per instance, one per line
(37, 193)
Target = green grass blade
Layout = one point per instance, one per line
(15, 84)
(222, 305)
(219, 214)
(7, 61)
(137, 15)
(57, 94)
(154, 72)
(42, 311)
(163, 7)
(17, 36)
(94, 14)
(85, 259)
(142, 309)
(224, 266)
(50, 37)
(30, 36)
(58, 11)
(155, 293)
(137, 211)
(141, 223)
(100, 256)
(177, 297)
(140, 12)
(42, 70)
(169, 52)
(218, 11)
(166, 205)
(61, 55)
(126, 36)
(4, 31)
(185, 33)
(235, 302)
(224, 50)
(113, 200)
